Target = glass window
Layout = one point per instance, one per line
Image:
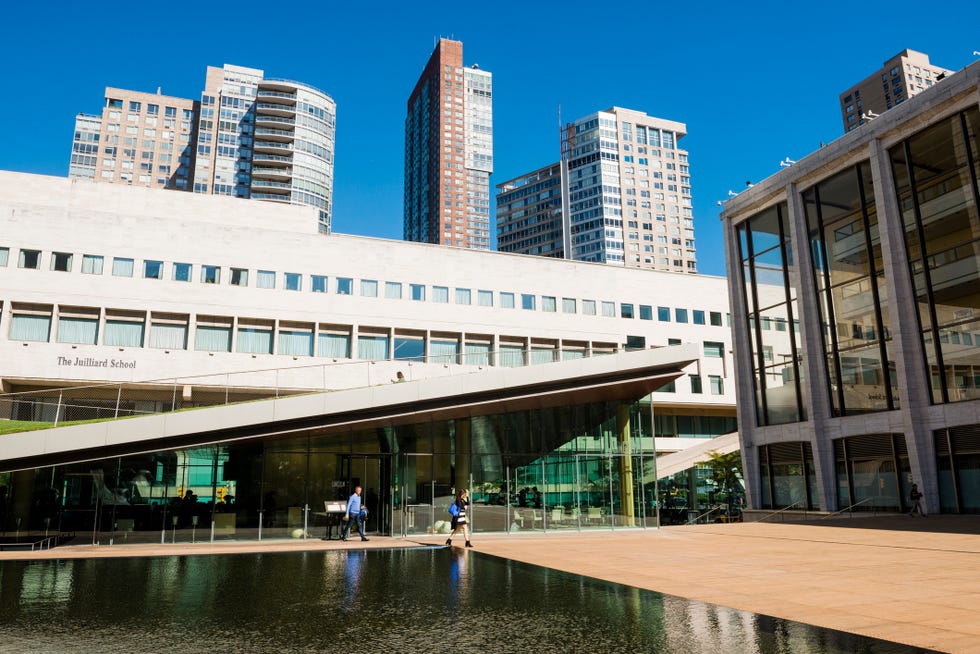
(393, 290)
(440, 294)
(764, 250)
(663, 314)
(123, 333)
(680, 315)
(625, 310)
(4, 256)
(484, 298)
(695, 383)
(717, 384)
(265, 279)
(714, 349)
(507, 300)
(609, 309)
(91, 264)
(697, 317)
(646, 312)
(254, 340)
(528, 302)
(463, 296)
(318, 283)
(936, 181)
(374, 348)
(29, 259)
(182, 272)
(369, 288)
(418, 292)
(549, 304)
(168, 335)
(78, 330)
(443, 351)
(715, 318)
(152, 269)
(239, 277)
(409, 348)
(61, 261)
(568, 305)
(293, 281)
(588, 307)
(213, 338)
(210, 275)
(30, 327)
(333, 345)
(122, 267)
(295, 342)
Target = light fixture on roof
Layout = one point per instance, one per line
(731, 193)
(786, 163)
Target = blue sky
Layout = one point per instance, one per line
(753, 82)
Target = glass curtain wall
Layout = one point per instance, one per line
(873, 472)
(958, 458)
(852, 298)
(767, 264)
(936, 181)
(574, 467)
(788, 476)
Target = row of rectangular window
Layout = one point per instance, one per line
(183, 272)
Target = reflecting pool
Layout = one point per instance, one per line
(418, 600)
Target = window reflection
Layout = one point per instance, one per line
(843, 231)
(936, 182)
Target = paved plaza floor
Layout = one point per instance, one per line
(909, 580)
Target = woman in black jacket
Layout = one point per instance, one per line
(459, 518)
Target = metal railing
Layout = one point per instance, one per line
(694, 520)
(783, 510)
(849, 508)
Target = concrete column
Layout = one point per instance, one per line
(625, 464)
(914, 385)
(814, 363)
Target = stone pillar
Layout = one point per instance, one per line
(625, 464)
(914, 385)
(813, 361)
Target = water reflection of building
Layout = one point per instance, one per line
(174, 301)
(874, 245)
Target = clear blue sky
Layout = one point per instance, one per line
(753, 82)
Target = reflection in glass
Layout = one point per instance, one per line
(936, 182)
(843, 231)
(766, 267)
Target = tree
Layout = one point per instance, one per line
(726, 472)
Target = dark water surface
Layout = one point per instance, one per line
(391, 601)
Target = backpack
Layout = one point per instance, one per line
(453, 510)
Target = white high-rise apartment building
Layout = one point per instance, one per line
(625, 196)
(249, 137)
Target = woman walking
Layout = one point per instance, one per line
(459, 518)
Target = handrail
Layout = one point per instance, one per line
(785, 508)
(694, 520)
(846, 508)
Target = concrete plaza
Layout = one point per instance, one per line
(909, 580)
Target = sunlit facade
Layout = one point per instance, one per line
(172, 301)
(876, 242)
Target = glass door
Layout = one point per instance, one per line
(415, 511)
(373, 474)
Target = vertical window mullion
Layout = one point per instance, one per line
(760, 356)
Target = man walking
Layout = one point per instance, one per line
(355, 515)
